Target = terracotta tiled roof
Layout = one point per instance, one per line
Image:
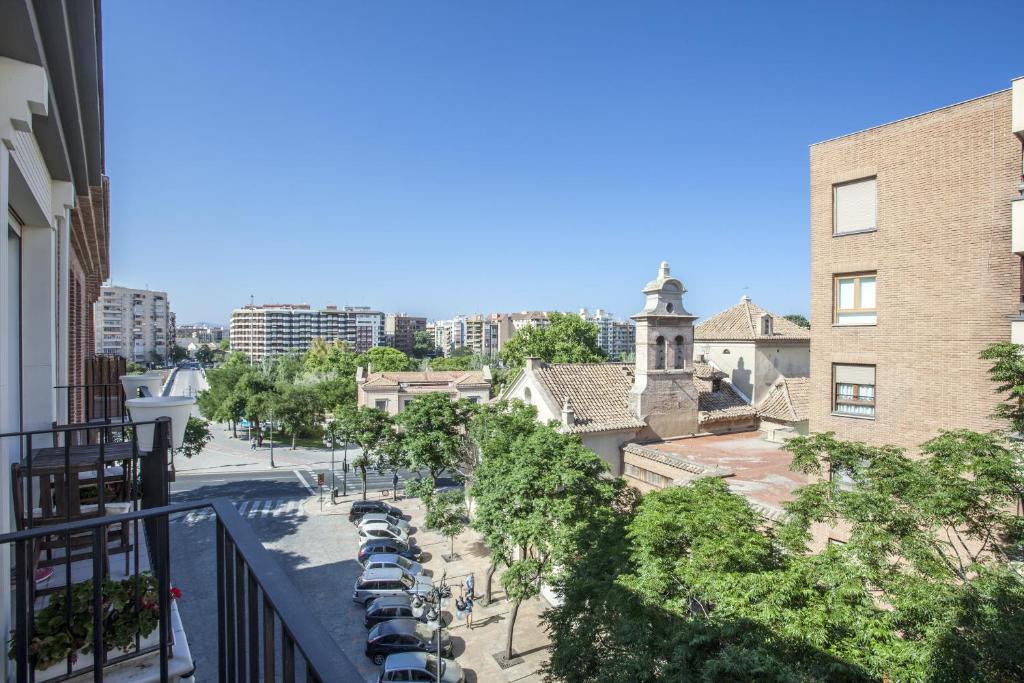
(742, 323)
(787, 401)
(430, 377)
(597, 392)
(715, 406)
(599, 395)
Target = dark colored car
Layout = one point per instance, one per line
(396, 607)
(378, 546)
(404, 635)
(362, 507)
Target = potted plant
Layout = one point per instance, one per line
(127, 611)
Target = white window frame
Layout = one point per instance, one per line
(858, 309)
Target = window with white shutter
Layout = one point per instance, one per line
(854, 206)
(854, 390)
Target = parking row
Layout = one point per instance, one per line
(403, 604)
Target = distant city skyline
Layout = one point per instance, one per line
(437, 158)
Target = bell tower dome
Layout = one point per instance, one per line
(663, 394)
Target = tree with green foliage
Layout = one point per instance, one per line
(224, 345)
(299, 409)
(258, 397)
(567, 338)
(386, 359)
(1008, 372)
(434, 433)
(374, 434)
(204, 354)
(533, 505)
(923, 588)
(464, 362)
(798, 319)
(178, 353)
(133, 368)
(334, 358)
(197, 435)
(446, 512)
(493, 430)
(220, 401)
(423, 345)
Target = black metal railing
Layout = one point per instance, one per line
(255, 602)
(102, 403)
(255, 599)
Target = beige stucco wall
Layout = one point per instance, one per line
(753, 368)
(608, 446)
(738, 363)
(397, 398)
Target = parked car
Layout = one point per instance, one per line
(381, 583)
(394, 607)
(381, 530)
(379, 546)
(419, 666)
(388, 560)
(362, 507)
(384, 517)
(404, 635)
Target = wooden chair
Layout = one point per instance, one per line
(57, 498)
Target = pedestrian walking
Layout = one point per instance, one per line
(469, 611)
(470, 585)
(252, 444)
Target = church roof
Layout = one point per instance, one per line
(788, 400)
(599, 395)
(742, 323)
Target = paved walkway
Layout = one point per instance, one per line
(474, 647)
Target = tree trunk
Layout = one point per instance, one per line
(293, 440)
(451, 552)
(511, 626)
(234, 428)
(487, 586)
(363, 473)
(259, 433)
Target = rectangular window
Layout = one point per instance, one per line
(382, 404)
(855, 301)
(854, 206)
(854, 392)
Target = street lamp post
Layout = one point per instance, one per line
(334, 488)
(272, 438)
(344, 472)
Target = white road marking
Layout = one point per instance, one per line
(250, 509)
(304, 482)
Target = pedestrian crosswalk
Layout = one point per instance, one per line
(250, 509)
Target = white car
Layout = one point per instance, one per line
(383, 517)
(372, 530)
(391, 561)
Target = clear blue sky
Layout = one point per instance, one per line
(447, 157)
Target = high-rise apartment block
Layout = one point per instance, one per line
(272, 329)
(200, 333)
(400, 331)
(917, 236)
(134, 323)
(616, 337)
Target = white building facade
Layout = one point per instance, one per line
(274, 329)
(133, 323)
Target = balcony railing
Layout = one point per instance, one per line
(255, 601)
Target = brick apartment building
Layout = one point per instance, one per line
(915, 270)
(400, 331)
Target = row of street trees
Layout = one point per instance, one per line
(691, 583)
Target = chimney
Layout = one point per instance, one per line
(534, 363)
(360, 374)
(766, 325)
(568, 416)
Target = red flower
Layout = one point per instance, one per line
(176, 593)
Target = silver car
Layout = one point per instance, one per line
(379, 583)
(393, 520)
(391, 560)
(381, 530)
(419, 666)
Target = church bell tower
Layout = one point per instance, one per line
(663, 393)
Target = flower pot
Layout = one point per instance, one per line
(178, 408)
(84, 661)
(132, 383)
